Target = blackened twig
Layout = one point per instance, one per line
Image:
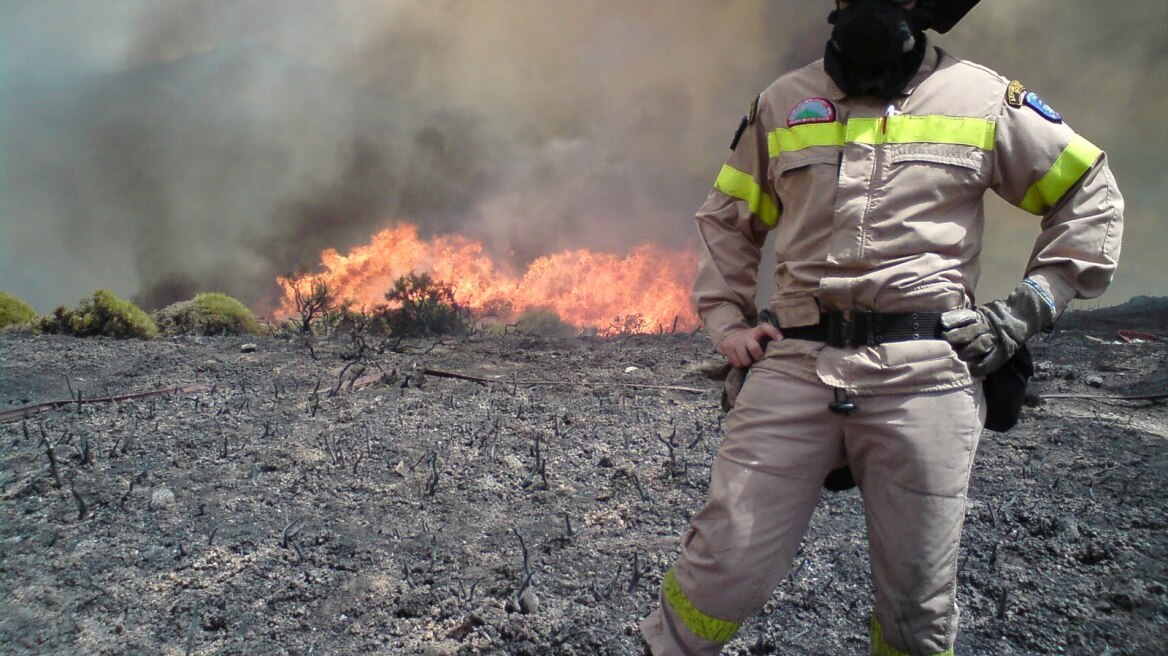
(126, 496)
(672, 446)
(288, 535)
(432, 483)
(467, 595)
(606, 593)
(341, 378)
(85, 451)
(195, 617)
(526, 571)
(700, 434)
(315, 398)
(53, 465)
(636, 572)
(405, 567)
(82, 509)
(355, 376)
(540, 466)
(640, 490)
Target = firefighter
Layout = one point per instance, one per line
(871, 166)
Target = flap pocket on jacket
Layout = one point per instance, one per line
(971, 162)
(792, 162)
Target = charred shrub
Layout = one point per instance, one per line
(15, 312)
(103, 314)
(419, 305)
(346, 319)
(625, 325)
(210, 313)
(312, 296)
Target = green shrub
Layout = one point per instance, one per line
(104, 314)
(542, 321)
(210, 313)
(15, 312)
(420, 306)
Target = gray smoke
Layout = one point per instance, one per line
(164, 147)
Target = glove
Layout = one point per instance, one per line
(987, 337)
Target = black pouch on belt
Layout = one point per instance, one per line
(1005, 391)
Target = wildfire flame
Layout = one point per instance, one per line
(584, 288)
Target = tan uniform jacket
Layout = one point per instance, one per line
(879, 206)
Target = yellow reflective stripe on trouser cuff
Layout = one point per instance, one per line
(702, 625)
(741, 185)
(1076, 159)
(881, 648)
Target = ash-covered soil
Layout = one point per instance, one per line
(281, 512)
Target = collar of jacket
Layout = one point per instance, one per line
(928, 66)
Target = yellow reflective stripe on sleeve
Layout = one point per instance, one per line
(702, 625)
(901, 129)
(741, 185)
(881, 648)
(1076, 159)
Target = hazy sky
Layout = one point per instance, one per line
(163, 147)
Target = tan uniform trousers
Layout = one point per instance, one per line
(911, 456)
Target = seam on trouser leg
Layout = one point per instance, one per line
(702, 625)
(907, 622)
(882, 648)
(973, 435)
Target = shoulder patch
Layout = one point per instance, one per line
(753, 110)
(1014, 94)
(1039, 105)
(811, 110)
(738, 133)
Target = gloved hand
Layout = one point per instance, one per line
(985, 338)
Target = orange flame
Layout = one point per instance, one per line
(584, 288)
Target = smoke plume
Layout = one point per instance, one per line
(164, 147)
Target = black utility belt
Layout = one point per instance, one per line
(852, 329)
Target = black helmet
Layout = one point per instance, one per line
(942, 15)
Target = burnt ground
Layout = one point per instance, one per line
(257, 517)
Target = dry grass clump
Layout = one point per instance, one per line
(209, 313)
(102, 314)
(542, 321)
(14, 311)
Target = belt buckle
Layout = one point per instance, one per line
(839, 329)
(871, 320)
(844, 328)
